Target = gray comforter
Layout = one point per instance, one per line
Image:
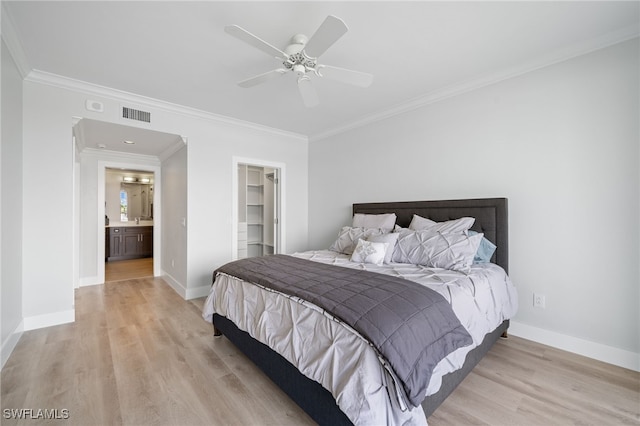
(411, 326)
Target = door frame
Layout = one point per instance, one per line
(279, 202)
(103, 165)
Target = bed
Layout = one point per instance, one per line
(271, 353)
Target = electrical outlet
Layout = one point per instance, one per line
(538, 301)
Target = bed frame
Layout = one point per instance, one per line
(491, 219)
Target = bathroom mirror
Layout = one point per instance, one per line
(136, 201)
(128, 195)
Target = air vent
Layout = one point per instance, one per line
(135, 114)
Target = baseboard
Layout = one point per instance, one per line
(48, 320)
(184, 292)
(604, 353)
(87, 281)
(10, 343)
(195, 293)
(174, 284)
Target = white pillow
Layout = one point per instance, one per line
(348, 238)
(454, 251)
(385, 220)
(419, 223)
(369, 252)
(390, 239)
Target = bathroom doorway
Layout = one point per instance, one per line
(133, 238)
(129, 207)
(98, 146)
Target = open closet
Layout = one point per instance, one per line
(257, 210)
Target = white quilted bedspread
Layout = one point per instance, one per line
(336, 356)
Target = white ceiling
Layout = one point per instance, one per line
(417, 51)
(101, 135)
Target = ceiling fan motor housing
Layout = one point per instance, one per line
(297, 60)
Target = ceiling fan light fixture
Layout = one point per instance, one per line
(299, 69)
(301, 57)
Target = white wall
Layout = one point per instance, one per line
(113, 182)
(562, 144)
(47, 280)
(92, 163)
(174, 209)
(48, 256)
(11, 206)
(210, 173)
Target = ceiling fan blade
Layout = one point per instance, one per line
(356, 78)
(308, 92)
(258, 79)
(329, 32)
(257, 42)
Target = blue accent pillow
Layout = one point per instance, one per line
(485, 250)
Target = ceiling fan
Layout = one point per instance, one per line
(301, 57)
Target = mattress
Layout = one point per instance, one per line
(336, 356)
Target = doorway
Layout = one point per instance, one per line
(134, 238)
(98, 145)
(129, 206)
(257, 216)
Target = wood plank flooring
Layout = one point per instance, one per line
(138, 354)
(128, 269)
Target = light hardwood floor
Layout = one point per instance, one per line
(140, 355)
(128, 269)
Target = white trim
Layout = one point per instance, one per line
(42, 77)
(195, 293)
(11, 39)
(122, 156)
(10, 343)
(604, 353)
(281, 246)
(185, 292)
(75, 190)
(48, 320)
(157, 214)
(562, 55)
(174, 284)
(581, 48)
(89, 281)
(172, 149)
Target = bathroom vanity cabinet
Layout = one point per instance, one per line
(128, 242)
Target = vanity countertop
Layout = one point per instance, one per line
(129, 223)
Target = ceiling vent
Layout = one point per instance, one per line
(136, 114)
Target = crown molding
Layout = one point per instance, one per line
(82, 149)
(121, 156)
(78, 132)
(11, 39)
(173, 149)
(578, 49)
(90, 89)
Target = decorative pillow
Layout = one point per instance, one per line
(369, 252)
(390, 239)
(385, 220)
(348, 238)
(419, 223)
(485, 250)
(454, 251)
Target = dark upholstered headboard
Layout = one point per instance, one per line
(490, 213)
